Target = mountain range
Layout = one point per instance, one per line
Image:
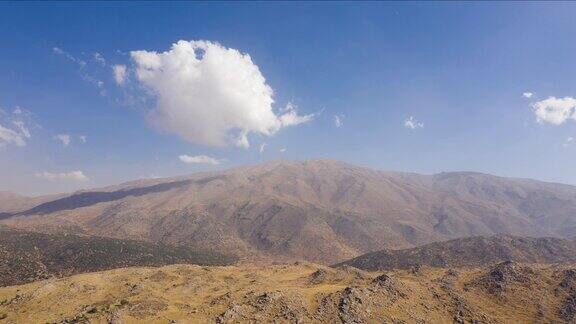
(318, 210)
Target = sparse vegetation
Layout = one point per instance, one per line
(27, 256)
(318, 210)
(308, 293)
(471, 252)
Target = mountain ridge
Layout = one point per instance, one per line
(319, 210)
(299, 292)
(470, 252)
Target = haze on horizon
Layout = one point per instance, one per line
(95, 95)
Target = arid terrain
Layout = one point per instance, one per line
(301, 242)
(318, 210)
(299, 293)
(462, 280)
(471, 252)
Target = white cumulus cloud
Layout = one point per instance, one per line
(555, 110)
(63, 138)
(72, 175)
(527, 94)
(209, 94)
(119, 72)
(198, 159)
(412, 123)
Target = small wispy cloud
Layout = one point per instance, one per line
(119, 72)
(412, 123)
(22, 128)
(282, 150)
(10, 137)
(568, 142)
(83, 138)
(527, 94)
(262, 147)
(84, 73)
(338, 120)
(98, 58)
(63, 138)
(70, 57)
(14, 129)
(199, 159)
(72, 175)
(92, 80)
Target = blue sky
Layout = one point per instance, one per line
(458, 69)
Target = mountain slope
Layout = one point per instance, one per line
(322, 211)
(26, 256)
(473, 251)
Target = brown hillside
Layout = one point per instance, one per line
(322, 211)
(304, 293)
(471, 252)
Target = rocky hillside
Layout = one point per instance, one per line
(26, 256)
(322, 211)
(298, 293)
(470, 252)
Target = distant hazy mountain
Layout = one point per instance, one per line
(322, 211)
(472, 251)
(11, 202)
(27, 256)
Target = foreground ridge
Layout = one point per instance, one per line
(303, 292)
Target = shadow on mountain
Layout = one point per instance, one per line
(85, 199)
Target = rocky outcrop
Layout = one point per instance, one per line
(499, 277)
(567, 287)
(283, 293)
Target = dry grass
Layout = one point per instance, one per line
(248, 293)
